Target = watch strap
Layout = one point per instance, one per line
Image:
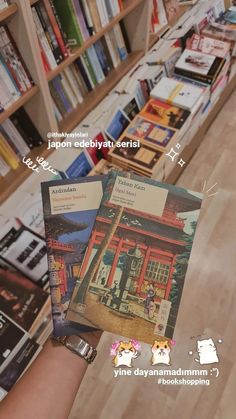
(78, 346)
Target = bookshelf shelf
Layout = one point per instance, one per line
(10, 182)
(97, 94)
(153, 37)
(18, 103)
(129, 6)
(9, 11)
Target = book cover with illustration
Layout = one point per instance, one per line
(165, 114)
(134, 269)
(139, 157)
(199, 66)
(70, 208)
(22, 300)
(150, 132)
(18, 365)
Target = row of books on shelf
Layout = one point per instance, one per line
(18, 136)
(63, 26)
(89, 70)
(15, 79)
(201, 69)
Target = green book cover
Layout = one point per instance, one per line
(69, 22)
(90, 68)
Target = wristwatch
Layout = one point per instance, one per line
(78, 346)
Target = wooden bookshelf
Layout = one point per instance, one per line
(129, 6)
(98, 93)
(8, 12)
(18, 103)
(10, 182)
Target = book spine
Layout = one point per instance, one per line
(5, 96)
(56, 29)
(57, 98)
(12, 74)
(4, 167)
(13, 54)
(95, 64)
(49, 32)
(79, 79)
(112, 50)
(92, 5)
(120, 42)
(15, 137)
(9, 141)
(43, 41)
(199, 77)
(68, 91)
(109, 9)
(8, 154)
(87, 16)
(102, 11)
(26, 128)
(10, 89)
(88, 69)
(68, 21)
(57, 113)
(9, 80)
(62, 33)
(102, 57)
(80, 19)
(63, 95)
(80, 64)
(72, 82)
(12, 61)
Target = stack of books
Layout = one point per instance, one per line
(18, 136)
(24, 308)
(15, 79)
(224, 27)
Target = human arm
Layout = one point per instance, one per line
(48, 388)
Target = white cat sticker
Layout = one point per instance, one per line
(207, 352)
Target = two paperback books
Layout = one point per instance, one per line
(118, 250)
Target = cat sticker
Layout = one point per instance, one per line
(161, 349)
(207, 352)
(124, 353)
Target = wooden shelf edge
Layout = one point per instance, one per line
(18, 103)
(10, 182)
(131, 5)
(196, 141)
(8, 11)
(97, 94)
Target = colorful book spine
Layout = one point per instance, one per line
(80, 19)
(111, 45)
(95, 64)
(104, 62)
(44, 41)
(73, 85)
(82, 69)
(15, 137)
(56, 28)
(120, 42)
(89, 70)
(92, 5)
(69, 22)
(8, 154)
(87, 16)
(49, 32)
(62, 94)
